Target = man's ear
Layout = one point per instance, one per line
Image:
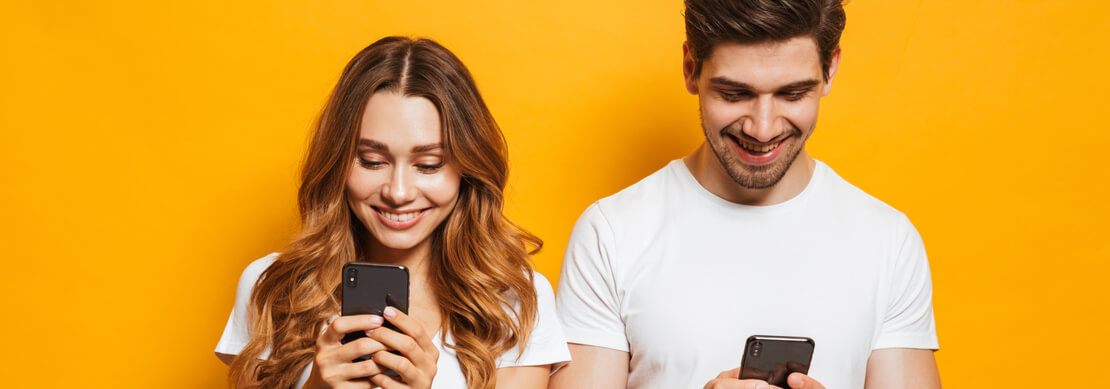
(834, 63)
(688, 67)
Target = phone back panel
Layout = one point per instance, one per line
(368, 288)
(773, 358)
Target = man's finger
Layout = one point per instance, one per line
(733, 383)
(802, 381)
(734, 373)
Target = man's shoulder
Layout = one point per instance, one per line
(646, 194)
(862, 206)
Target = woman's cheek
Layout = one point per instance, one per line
(360, 184)
(442, 187)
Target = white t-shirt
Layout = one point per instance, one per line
(546, 345)
(679, 278)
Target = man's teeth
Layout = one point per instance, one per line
(400, 217)
(759, 148)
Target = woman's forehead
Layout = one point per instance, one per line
(400, 122)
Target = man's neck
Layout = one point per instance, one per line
(707, 170)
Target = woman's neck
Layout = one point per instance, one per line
(423, 302)
(416, 259)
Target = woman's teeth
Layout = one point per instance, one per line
(399, 217)
(759, 148)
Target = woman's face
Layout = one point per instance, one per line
(401, 186)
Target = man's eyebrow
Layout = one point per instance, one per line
(426, 148)
(373, 144)
(803, 84)
(729, 83)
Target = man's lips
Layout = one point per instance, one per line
(754, 153)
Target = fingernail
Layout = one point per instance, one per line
(390, 312)
(376, 320)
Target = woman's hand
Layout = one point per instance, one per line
(416, 365)
(334, 363)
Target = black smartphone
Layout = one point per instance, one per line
(368, 288)
(773, 358)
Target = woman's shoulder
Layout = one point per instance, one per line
(542, 285)
(254, 270)
(237, 333)
(547, 344)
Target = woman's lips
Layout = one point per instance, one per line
(400, 220)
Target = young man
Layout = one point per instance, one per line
(663, 282)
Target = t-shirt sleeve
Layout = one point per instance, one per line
(547, 345)
(588, 298)
(236, 334)
(908, 322)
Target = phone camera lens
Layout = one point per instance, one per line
(757, 347)
(352, 277)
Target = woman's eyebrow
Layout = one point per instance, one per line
(379, 146)
(426, 148)
(373, 144)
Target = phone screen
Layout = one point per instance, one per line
(773, 358)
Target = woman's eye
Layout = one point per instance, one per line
(429, 168)
(370, 164)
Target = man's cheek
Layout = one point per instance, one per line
(717, 119)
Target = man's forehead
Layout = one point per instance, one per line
(764, 65)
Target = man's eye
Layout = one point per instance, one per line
(370, 164)
(736, 96)
(793, 96)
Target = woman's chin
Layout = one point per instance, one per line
(399, 243)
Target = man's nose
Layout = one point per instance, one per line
(760, 124)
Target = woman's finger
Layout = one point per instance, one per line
(357, 348)
(346, 324)
(363, 369)
(409, 326)
(402, 343)
(400, 365)
(387, 382)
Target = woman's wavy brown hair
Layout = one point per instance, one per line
(480, 260)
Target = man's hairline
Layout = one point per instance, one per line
(699, 62)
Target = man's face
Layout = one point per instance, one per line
(759, 105)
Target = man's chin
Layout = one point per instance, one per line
(761, 176)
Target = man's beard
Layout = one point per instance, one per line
(748, 176)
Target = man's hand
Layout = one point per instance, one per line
(730, 379)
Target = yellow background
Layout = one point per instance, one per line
(149, 151)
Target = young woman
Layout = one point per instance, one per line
(406, 167)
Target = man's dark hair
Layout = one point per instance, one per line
(709, 22)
